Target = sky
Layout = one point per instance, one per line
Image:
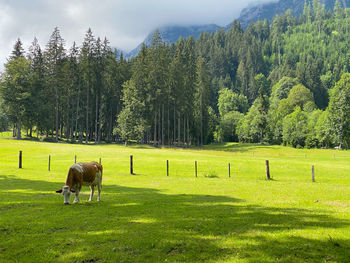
(125, 23)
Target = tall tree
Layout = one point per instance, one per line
(87, 67)
(202, 99)
(38, 113)
(54, 61)
(339, 108)
(15, 90)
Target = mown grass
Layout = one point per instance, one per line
(150, 217)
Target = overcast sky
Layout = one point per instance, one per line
(125, 23)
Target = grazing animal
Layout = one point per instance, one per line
(80, 174)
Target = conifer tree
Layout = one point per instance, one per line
(87, 68)
(54, 59)
(15, 87)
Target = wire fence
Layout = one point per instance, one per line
(235, 166)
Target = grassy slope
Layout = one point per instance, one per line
(153, 218)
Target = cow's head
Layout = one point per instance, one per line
(66, 191)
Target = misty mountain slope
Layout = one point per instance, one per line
(171, 34)
(270, 10)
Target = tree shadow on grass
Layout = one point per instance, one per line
(147, 225)
(238, 147)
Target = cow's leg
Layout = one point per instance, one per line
(76, 200)
(92, 192)
(99, 192)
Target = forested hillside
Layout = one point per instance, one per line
(285, 82)
(268, 10)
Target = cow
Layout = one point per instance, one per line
(89, 174)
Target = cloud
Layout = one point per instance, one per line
(124, 22)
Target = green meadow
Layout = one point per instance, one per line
(152, 217)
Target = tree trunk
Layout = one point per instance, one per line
(163, 125)
(80, 134)
(19, 136)
(184, 144)
(155, 128)
(96, 118)
(56, 110)
(188, 133)
(67, 130)
(99, 128)
(87, 112)
(179, 130)
(168, 125)
(174, 128)
(159, 128)
(77, 115)
(201, 116)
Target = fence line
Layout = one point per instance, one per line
(201, 168)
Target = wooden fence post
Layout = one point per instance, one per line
(131, 165)
(167, 167)
(20, 160)
(49, 163)
(313, 173)
(229, 170)
(195, 165)
(75, 159)
(100, 161)
(268, 177)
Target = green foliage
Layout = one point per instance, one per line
(295, 128)
(252, 128)
(15, 90)
(230, 101)
(131, 122)
(339, 108)
(227, 130)
(185, 93)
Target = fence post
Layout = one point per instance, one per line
(195, 164)
(268, 177)
(49, 163)
(313, 173)
(167, 167)
(229, 170)
(20, 160)
(100, 161)
(75, 159)
(131, 165)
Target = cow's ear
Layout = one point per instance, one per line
(59, 191)
(72, 190)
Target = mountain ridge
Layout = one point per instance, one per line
(250, 14)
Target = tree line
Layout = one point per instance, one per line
(73, 94)
(281, 82)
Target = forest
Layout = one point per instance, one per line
(284, 81)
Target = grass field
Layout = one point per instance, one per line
(149, 217)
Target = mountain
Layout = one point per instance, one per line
(171, 34)
(248, 15)
(270, 10)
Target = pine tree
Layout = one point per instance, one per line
(54, 59)
(15, 88)
(87, 68)
(38, 114)
(202, 100)
(18, 50)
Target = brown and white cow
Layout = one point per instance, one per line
(80, 174)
